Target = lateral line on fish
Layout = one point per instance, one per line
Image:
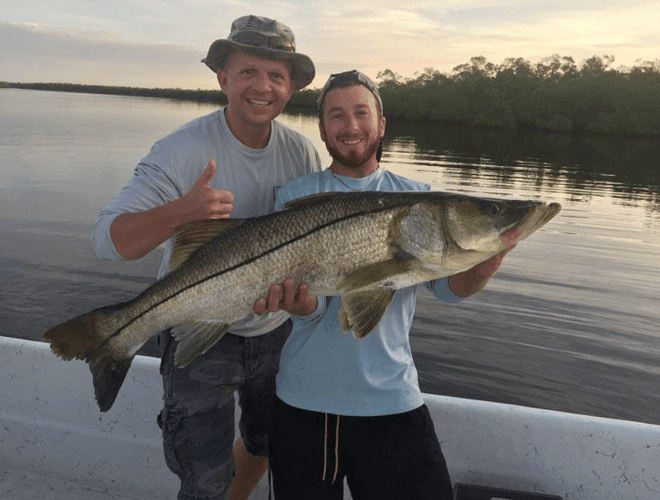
(246, 262)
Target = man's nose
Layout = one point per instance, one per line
(262, 83)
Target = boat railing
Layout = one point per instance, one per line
(55, 443)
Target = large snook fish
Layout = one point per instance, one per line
(362, 246)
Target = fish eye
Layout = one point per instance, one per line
(494, 209)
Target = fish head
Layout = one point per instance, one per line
(474, 226)
(449, 233)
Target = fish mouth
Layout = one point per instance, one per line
(537, 216)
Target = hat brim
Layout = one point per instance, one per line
(303, 68)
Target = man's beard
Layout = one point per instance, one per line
(354, 159)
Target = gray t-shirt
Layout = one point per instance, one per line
(176, 162)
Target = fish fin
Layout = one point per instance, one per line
(190, 237)
(195, 339)
(79, 338)
(76, 338)
(375, 274)
(108, 375)
(361, 311)
(312, 199)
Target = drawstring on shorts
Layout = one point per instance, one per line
(325, 450)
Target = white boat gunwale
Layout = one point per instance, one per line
(56, 444)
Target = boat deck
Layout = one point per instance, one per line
(16, 484)
(56, 445)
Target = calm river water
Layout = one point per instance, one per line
(571, 322)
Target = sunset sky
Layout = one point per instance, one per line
(159, 43)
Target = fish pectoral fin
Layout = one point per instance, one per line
(195, 339)
(190, 237)
(376, 274)
(361, 311)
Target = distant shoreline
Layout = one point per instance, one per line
(555, 96)
(300, 99)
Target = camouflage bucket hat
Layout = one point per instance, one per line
(262, 37)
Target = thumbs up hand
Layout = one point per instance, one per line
(203, 202)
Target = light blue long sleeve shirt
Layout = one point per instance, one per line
(325, 370)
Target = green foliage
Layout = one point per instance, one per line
(305, 98)
(554, 94)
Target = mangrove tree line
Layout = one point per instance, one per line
(554, 94)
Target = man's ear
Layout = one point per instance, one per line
(222, 78)
(322, 131)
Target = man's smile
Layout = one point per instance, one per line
(259, 102)
(351, 142)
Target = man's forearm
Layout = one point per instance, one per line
(474, 280)
(136, 234)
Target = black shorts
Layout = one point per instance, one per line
(386, 457)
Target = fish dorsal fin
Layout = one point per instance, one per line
(361, 311)
(194, 339)
(194, 235)
(377, 274)
(309, 200)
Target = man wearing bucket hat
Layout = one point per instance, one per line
(266, 38)
(228, 162)
(352, 409)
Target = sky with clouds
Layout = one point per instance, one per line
(159, 43)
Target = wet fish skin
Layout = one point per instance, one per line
(362, 246)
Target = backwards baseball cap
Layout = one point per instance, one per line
(347, 78)
(262, 37)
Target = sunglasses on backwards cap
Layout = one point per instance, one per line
(338, 79)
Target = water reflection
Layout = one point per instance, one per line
(628, 168)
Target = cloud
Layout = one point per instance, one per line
(31, 53)
(157, 46)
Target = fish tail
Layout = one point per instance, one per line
(77, 338)
(80, 338)
(108, 375)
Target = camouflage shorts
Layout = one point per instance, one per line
(198, 416)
